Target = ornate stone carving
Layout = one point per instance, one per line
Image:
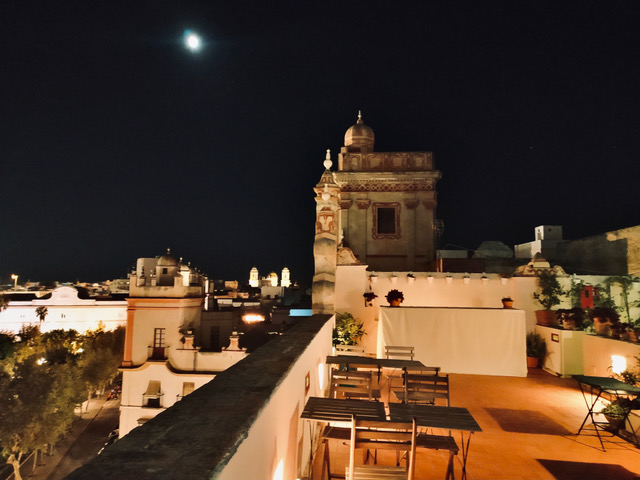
(346, 257)
(363, 204)
(325, 222)
(388, 161)
(346, 204)
(411, 204)
(390, 186)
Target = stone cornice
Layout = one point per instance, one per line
(385, 161)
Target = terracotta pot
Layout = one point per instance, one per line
(569, 324)
(394, 303)
(507, 304)
(602, 326)
(533, 362)
(614, 422)
(546, 317)
(634, 335)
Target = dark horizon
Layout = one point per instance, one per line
(118, 143)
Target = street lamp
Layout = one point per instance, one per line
(14, 277)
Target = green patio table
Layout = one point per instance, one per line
(596, 387)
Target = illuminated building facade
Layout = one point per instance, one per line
(378, 205)
(162, 360)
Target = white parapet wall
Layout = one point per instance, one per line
(598, 353)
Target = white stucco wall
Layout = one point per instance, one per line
(279, 440)
(445, 290)
(597, 352)
(134, 385)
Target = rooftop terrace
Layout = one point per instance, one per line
(245, 424)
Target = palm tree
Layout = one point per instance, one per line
(41, 312)
(4, 302)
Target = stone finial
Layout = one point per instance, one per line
(188, 340)
(327, 160)
(326, 195)
(359, 117)
(234, 345)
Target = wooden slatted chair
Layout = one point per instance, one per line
(423, 441)
(424, 388)
(397, 352)
(353, 384)
(374, 435)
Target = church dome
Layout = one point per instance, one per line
(167, 260)
(359, 135)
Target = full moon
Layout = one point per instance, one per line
(192, 41)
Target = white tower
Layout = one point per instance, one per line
(254, 279)
(286, 278)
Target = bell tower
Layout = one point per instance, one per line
(387, 203)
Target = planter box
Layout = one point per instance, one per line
(564, 351)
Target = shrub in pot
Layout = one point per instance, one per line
(616, 411)
(634, 331)
(507, 302)
(348, 330)
(536, 349)
(603, 319)
(548, 296)
(394, 297)
(570, 318)
(368, 298)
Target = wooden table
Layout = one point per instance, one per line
(377, 363)
(447, 418)
(369, 362)
(596, 387)
(323, 409)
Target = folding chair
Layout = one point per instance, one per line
(374, 435)
(353, 384)
(424, 388)
(397, 352)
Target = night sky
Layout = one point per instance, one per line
(117, 142)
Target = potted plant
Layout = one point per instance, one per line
(394, 297)
(616, 411)
(634, 331)
(548, 295)
(348, 331)
(536, 349)
(603, 319)
(571, 318)
(368, 298)
(507, 302)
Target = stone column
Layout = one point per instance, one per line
(361, 225)
(325, 246)
(409, 228)
(128, 337)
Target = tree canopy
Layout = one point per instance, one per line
(42, 379)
